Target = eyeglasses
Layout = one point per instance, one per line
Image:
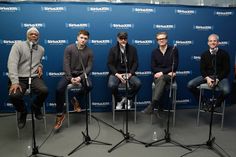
(123, 38)
(36, 34)
(158, 39)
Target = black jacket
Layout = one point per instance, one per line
(116, 61)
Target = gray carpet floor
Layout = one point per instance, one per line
(62, 142)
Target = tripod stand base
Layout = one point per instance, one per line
(36, 152)
(127, 138)
(210, 145)
(167, 139)
(87, 141)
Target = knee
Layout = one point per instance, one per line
(190, 85)
(14, 96)
(44, 91)
(226, 90)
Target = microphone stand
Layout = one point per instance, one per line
(35, 149)
(127, 138)
(87, 139)
(167, 138)
(211, 140)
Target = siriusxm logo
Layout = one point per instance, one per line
(8, 104)
(100, 103)
(99, 9)
(52, 104)
(9, 9)
(100, 42)
(143, 73)
(224, 13)
(121, 26)
(203, 28)
(53, 9)
(104, 73)
(27, 25)
(184, 42)
(185, 12)
(143, 103)
(55, 74)
(8, 42)
(183, 101)
(77, 25)
(224, 43)
(163, 27)
(56, 42)
(197, 58)
(183, 73)
(45, 58)
(144, 10)
(143, 42)
(5, 74)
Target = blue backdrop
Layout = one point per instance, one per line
(59, 23)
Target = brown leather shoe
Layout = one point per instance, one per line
(59, 121)
(76, 105)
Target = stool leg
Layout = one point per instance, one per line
(135, 109)
(199, 106)
(17, 129)
(223, 115)
(174, 105)
(113, 107)
(67, 108)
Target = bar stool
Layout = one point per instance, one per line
(75, 88)
(27, 94)
(174, 92)
(220, 111)
(122, 88)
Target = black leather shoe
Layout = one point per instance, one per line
(21, 119)
(37, 113)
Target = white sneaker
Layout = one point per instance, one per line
(119, 105)
(129, 104)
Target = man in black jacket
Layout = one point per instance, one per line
(215, 69)
(122, 64)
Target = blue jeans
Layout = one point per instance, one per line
(223, 86)
(134, 83)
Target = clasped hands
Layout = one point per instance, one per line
(123, 76)
(75, 80)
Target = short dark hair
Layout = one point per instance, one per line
(84, 32)
(165, 33)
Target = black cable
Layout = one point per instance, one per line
(46, 138)
(99, 130)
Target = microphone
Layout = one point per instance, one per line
(125, 56)
(86, 79)
(31, 45)
(174, 47)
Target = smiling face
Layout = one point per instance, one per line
(33, 36)
(213, 41)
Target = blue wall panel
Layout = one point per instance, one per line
(59, 23)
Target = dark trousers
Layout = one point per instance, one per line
(223, 86)
(160, 86)
(134, 83)
(39, 91)
(60, 92)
